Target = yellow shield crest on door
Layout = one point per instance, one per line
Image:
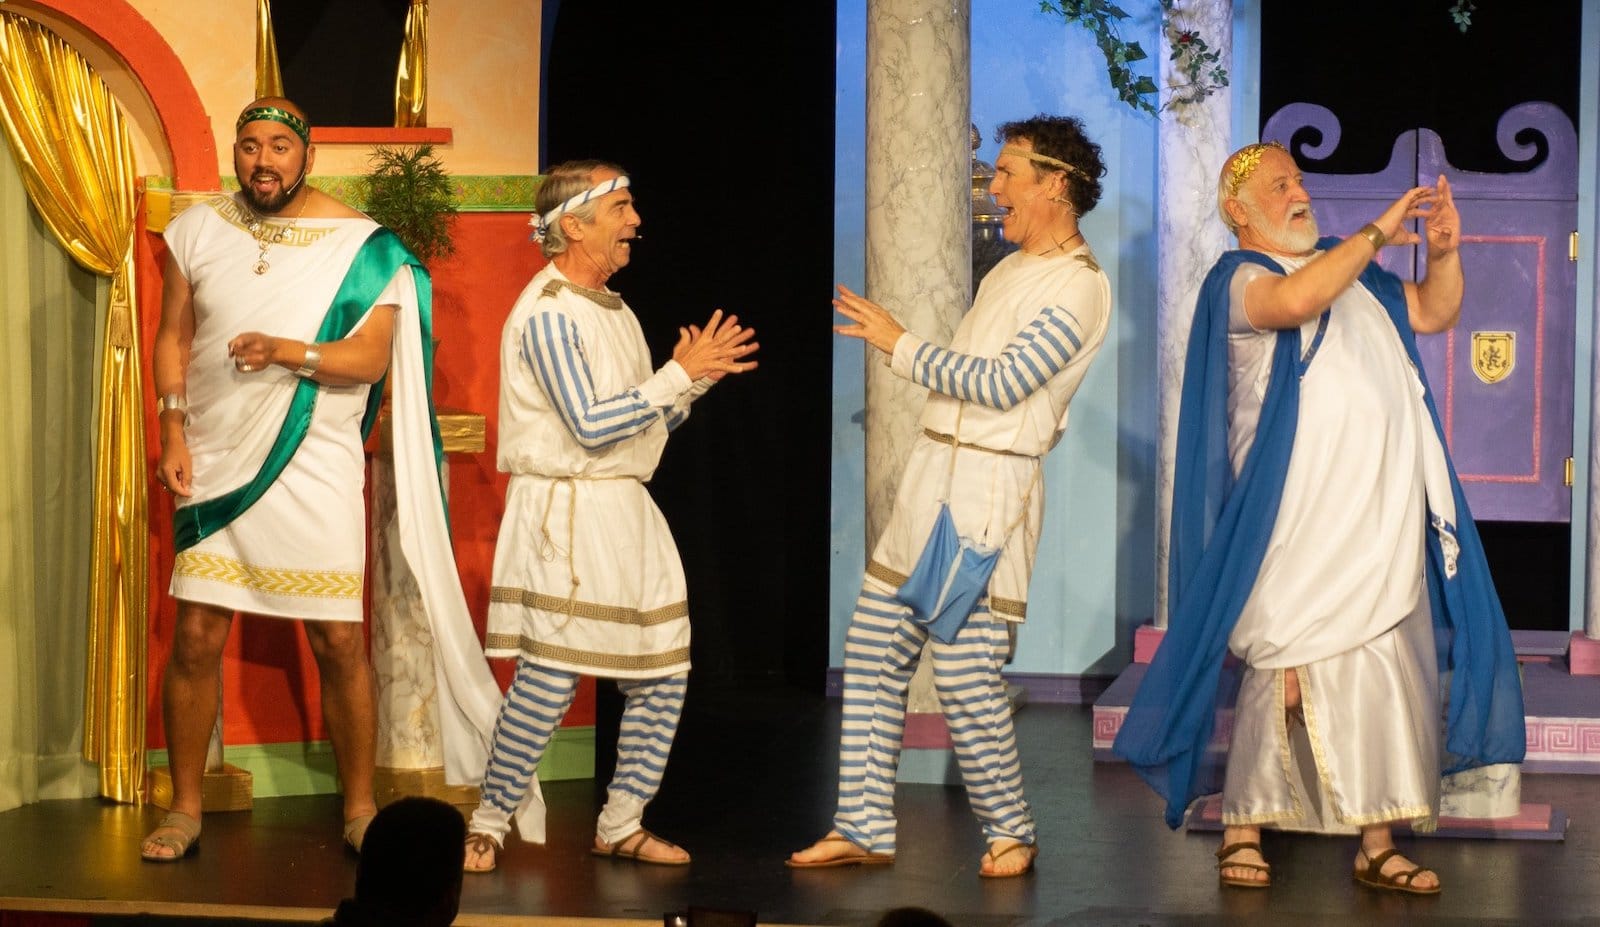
(1494, 355)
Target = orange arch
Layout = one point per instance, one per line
(157, 68)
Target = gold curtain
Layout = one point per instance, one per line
(77, 163)
(269, 80)
(411, 81)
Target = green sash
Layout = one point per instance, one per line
(375, 264)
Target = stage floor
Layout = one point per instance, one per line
(751, 779)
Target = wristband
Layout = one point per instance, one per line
(1375, 235)
(173, 402)
(309, 365)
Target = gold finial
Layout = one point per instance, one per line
(1244, 163)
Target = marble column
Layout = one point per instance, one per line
(918, 238)
(1194, 140)
(410, 747)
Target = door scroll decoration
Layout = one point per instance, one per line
(1494, 355)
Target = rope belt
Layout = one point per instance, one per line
(547, 548)
(950, 440)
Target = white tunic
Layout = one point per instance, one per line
(586, 576)
(300, 551)
(1003, 387)
(1344, 563)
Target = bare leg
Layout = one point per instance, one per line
(189, 703)
(1375, 839)
(350, 707)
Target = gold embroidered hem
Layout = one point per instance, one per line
(592, 662)
(883, 574)
(590, 610)
(322, 584)
(1006, 608)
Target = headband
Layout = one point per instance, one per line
(1044, 159)
(275, 114)
(542, 224)
(1244, 163)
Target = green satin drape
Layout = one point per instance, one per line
(73, 150)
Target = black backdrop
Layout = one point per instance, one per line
(1385, 67)
(723, 116)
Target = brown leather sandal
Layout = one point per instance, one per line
(355, 832)
(1373, 877)
(851, 855)
(628, 848)
(1225, 861)
(486, 847)
(1032, 850)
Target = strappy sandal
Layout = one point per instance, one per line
(355, 832)
(628, 848)
(181, 843)
(486, 847)
(1373, 877)
(1225, 861)
(1031, 849)
(847, 858)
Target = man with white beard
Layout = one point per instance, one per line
(1319, 533)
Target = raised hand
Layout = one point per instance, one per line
(1412, 204)
(716, 350)
(1443, 225)
(872, 323)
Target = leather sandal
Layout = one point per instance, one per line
(181, 843)
(1373, 877)
(628, 848)
(1029, 848)
(486, 847)
(355, 832)
(1225, 861)
(850, 855)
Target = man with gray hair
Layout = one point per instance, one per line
(586, 576)
(1320, 534)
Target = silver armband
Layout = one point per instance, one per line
(173, 402)
(309, 365)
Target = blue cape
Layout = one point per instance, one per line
(1220, 527)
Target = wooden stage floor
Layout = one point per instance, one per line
(752, 779)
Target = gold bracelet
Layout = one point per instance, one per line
(1375, 235)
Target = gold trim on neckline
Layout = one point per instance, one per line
(600, 298)
(295, 236)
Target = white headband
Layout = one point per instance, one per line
(541, 224)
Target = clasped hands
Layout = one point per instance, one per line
(1436, 207)
(716, 350)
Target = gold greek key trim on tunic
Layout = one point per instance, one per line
(1421, 814)
(294, 237)
(1016, 608)
(605, 661)
(316, 584)
(882, 573)
(591, 610)
(598, 297)
(945, 439)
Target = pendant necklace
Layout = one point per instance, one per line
(266, 236)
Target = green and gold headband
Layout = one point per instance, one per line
(1244, 163)
(275, 114)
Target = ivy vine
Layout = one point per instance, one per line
(1196, 59)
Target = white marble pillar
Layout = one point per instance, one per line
(919, 221)
(1591, 616)
(1194, 140)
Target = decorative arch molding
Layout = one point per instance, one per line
(152, 62)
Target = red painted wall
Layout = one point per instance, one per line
(270, 687)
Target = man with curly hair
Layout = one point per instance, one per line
(997, 403)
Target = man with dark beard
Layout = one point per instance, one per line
(283, 310)
(1320, 534)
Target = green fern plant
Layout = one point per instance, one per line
(409, 191)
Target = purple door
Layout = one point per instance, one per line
(1502, 378)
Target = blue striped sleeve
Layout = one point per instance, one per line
(553, 351)
(1040, 351)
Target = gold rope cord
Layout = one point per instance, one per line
(269, 79)
(411, 80)
(76, 160)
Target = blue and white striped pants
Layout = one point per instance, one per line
(537, 701)
(880, 654)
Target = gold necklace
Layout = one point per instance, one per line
(265, 239)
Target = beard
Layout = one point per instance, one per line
(1282, 235)
(273, 202)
